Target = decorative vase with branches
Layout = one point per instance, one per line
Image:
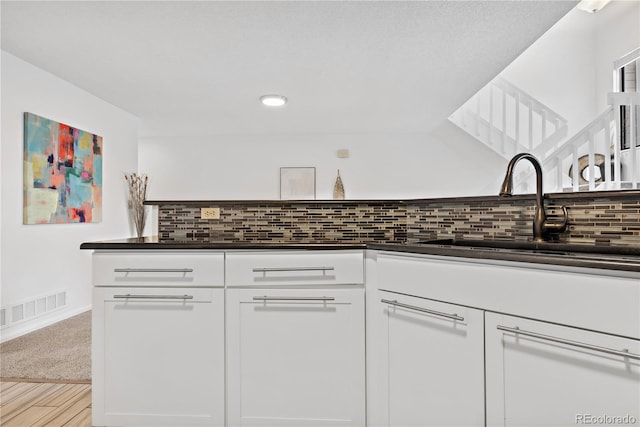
(137, 184)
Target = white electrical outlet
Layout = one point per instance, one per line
(210, 213)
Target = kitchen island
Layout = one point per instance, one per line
(428, 312)
(447, 326)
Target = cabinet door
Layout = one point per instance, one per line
(295, 357)
(543, 374)
(158, 357)
(433, 356)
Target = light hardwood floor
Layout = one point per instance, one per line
(25, 404)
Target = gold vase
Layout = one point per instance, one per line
(338, 188)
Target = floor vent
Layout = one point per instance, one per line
(32, 308)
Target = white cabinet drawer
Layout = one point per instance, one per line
(294, 268)
(156, 268)
(601, 303)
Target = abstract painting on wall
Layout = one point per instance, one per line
(62, 173)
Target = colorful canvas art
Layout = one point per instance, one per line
(62, 173)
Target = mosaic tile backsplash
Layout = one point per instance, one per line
(609, 221)
(280, 222)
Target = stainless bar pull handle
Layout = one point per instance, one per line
(423, 310)
(516, 330)
(279, 269)
(153, 270)
(266, 298)
(130, 296)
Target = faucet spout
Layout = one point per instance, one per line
(540, 224)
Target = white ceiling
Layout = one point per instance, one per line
(198, 67)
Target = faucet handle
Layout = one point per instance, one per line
(558, 227)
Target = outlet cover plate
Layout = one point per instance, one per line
(210, 213)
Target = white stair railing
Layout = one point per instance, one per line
(595, 156)
(509, 121)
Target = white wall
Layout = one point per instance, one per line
(242, 167)
(615, 41)
(39, 259)
(559, 70)
(569, 68)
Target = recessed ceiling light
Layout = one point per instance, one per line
(273, 100)
(592, 6)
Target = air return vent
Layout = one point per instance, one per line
(32, 308)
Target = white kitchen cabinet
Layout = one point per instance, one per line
(292, 324)
(542, 375)
(432, 357)
(158, 351)
(295, 357)
(531, 380)
(295, 268)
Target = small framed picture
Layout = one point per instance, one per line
(297, 183)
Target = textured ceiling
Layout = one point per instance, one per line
(346, 67)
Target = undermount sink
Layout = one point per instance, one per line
(550, 248)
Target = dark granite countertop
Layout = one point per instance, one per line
(589, 259)
(615, 194)
(152, 243)
(607, 261)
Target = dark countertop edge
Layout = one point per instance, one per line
(268, 202)
(618, 194)
(151, 243)
(461, 252)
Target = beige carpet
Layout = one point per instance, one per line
(60, 352)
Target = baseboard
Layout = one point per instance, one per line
(48, 381)
(23, 328)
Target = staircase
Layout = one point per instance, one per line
(596, 152)
(509, 121)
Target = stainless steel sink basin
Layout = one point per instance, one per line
(548, 248)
